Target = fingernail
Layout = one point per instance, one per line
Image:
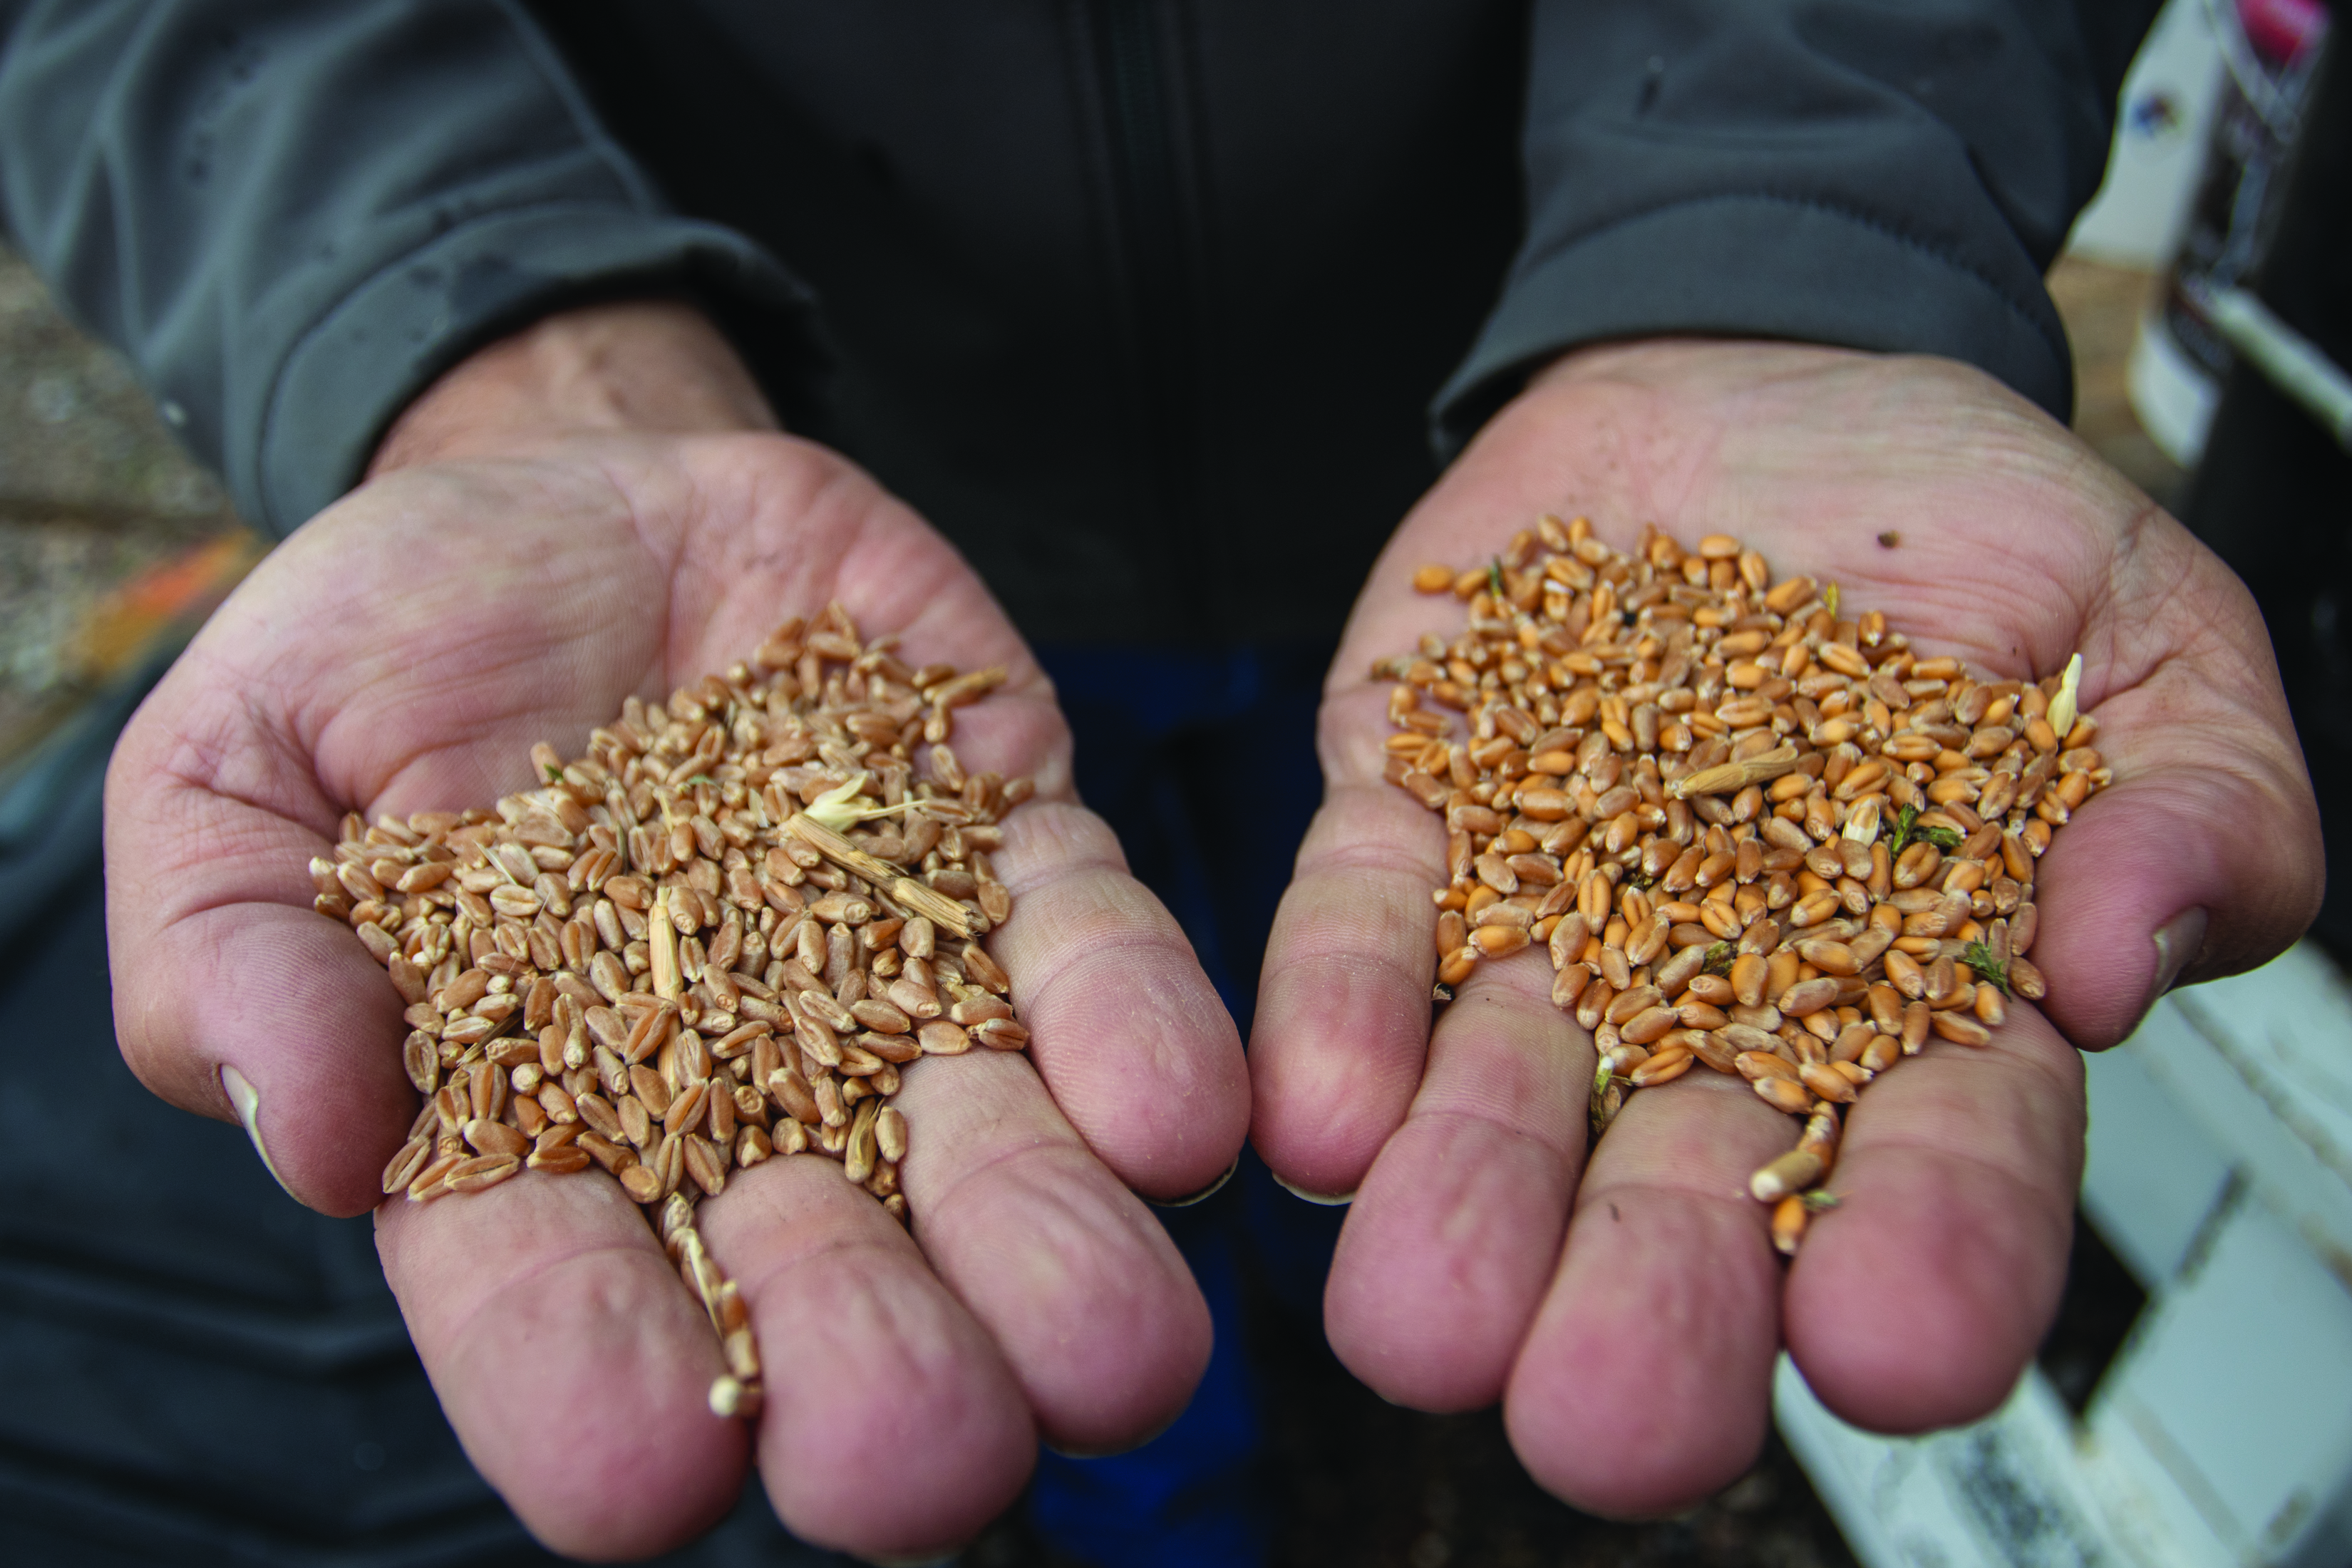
(1111, 1450)
(247, 1100)
(1110, 1453)
(1326, 1200)
(1204, 1194)
(2178, 942)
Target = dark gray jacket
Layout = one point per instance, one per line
(1151, 307)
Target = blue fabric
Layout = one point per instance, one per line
(1191, 1496)
(1203, 763)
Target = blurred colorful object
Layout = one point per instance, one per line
(172, 597)
(97, 634)
(2269, 49)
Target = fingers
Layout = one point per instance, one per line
(2202, 857)
(1646, 1379)
(892, 1425)
(1044, 1291)
(575, 1368)
(1125, 1027)
(570, 1360)
(1088, 1301)
(1914, 1303)
(1449, 1245)
(1342, 1023)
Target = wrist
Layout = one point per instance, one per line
(1636, 358)
(643, 365)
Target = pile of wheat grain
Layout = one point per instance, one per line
(1750, 828)
(716, 937)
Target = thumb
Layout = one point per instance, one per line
(232, 998)
(2201, 859)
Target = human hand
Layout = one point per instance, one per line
(1627, 1308)
(527, 557)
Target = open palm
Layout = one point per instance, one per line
(1627, 1308)
(402, 652)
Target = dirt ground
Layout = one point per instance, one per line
(1367, 1483)
(1352, 1481)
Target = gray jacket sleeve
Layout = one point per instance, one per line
(292, 217)
(1885, 174)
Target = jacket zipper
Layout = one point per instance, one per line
(1153, 240)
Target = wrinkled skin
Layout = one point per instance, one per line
(1626, 1305)
(402, 652)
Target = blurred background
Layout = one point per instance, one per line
(2193, 1405)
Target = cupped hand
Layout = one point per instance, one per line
(402, 652)
(1626, 1307)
